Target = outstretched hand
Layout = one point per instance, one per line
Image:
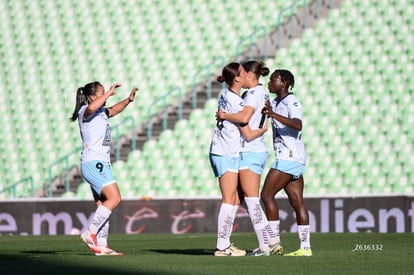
(132, 94)
(113, 87)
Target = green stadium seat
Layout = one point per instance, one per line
(166, 140)
(353, 46)
(68, 195)
(84, 191)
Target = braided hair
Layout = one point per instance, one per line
(286, 77)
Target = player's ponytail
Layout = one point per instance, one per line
(79, 102)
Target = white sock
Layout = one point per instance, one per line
(270, 235)
(304, 236)
(259, 221)
(101, 216)
(233, 216)
(224, 225)
(102, 236)
(274, 232)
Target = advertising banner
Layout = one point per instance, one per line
(181, 216)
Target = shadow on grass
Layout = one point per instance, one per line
(192, 252)
(39, 262)
(42, 252)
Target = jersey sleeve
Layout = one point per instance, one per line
(295, 108)
(251, 99)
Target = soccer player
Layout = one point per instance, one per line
(92, 116)
(287, 170)
(224, 157)
(254, 154)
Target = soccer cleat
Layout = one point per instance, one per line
(300, 252)
(224, 252)
(90, 240)
(230, 251)
(259, 252)
(235, 251)
(106, 251)
(277, 249)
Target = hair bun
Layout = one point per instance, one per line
(265, 71)
(221, 79)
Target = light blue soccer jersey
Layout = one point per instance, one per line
(256, 98)
(96, 135)
(287, 142)
(226, 137)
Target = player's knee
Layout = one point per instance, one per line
(114, 201)
(265, 196)
(296, 202)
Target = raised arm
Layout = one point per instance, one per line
(98, 102)
(120, 106)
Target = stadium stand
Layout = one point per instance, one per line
(353, 72)
(52, 47)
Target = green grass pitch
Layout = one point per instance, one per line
(346, 253)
